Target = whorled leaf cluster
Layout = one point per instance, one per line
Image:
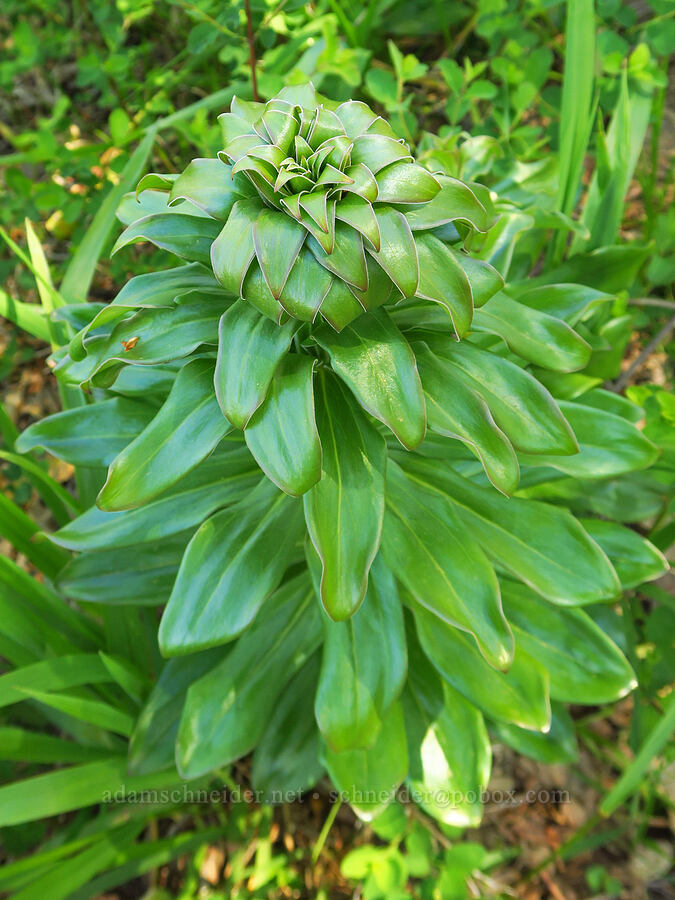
(336, 396)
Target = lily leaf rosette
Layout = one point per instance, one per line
(337, 217)
(312, 430)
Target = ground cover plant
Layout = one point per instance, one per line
(351, 495)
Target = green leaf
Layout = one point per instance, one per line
(152, 745)
(64, 879)
(232, 250)
(576, 116)
(368, 779)
(59, 501)
(584, 665)
(443, 281)
(189, 237)
(249, 350)
(155, 181)
(161, 288)
(88, 435)
(355, 117)
(562, 301)
(357, 686)
(64, 790)
(316, 206)
(520, 406)
(540, 544)
(380, 288)
(185, 430)
(374, 359)
(222, 479)
(608, 269)
(150, 290)
(634, 775)
(55, 674)
(448, 745)
(635, 559)
(344, 511)
(609, 445)
(377, 151)
(397, 254)
(28, 316)
(286, 761)
(277, 240)
(359, 213)
(604, 204)
(281, 434)
(232, 564)
(37, 621)
(307, 285)
(559, 745)
(20, 530)
(455, 411)
(141, 858)
(537, 337)
(347, 259)
(20, 745)
(151, 202)
(93, 712)
(455, 202)
(227, 709)
(257, 293)
(208, 183)
(598, 398)
(133, 682)
(429, 550)
(340, 306)
(153, 336)
(484, 279)
(404, 182)
(519, 696)
(364, 184)
(142, 575)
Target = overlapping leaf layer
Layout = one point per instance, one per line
(313, 431)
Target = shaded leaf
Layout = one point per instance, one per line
(344, 511)
(250, 348)
(281, 434)
(431, 553)
(235, 560)
(183, 433)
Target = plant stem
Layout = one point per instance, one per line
(251, 50)
(652, 301)
(327, 825)
(637, 363)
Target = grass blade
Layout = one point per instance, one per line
(19, 529)
(604, 207)
(27, 316)
(64, 790)
(577, 102)
(56, 497)
(631, 779)
(93, 712)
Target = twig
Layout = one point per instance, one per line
(644, 355)
(651, 301)
(555, 891)
(429, 825)
(251, 50)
